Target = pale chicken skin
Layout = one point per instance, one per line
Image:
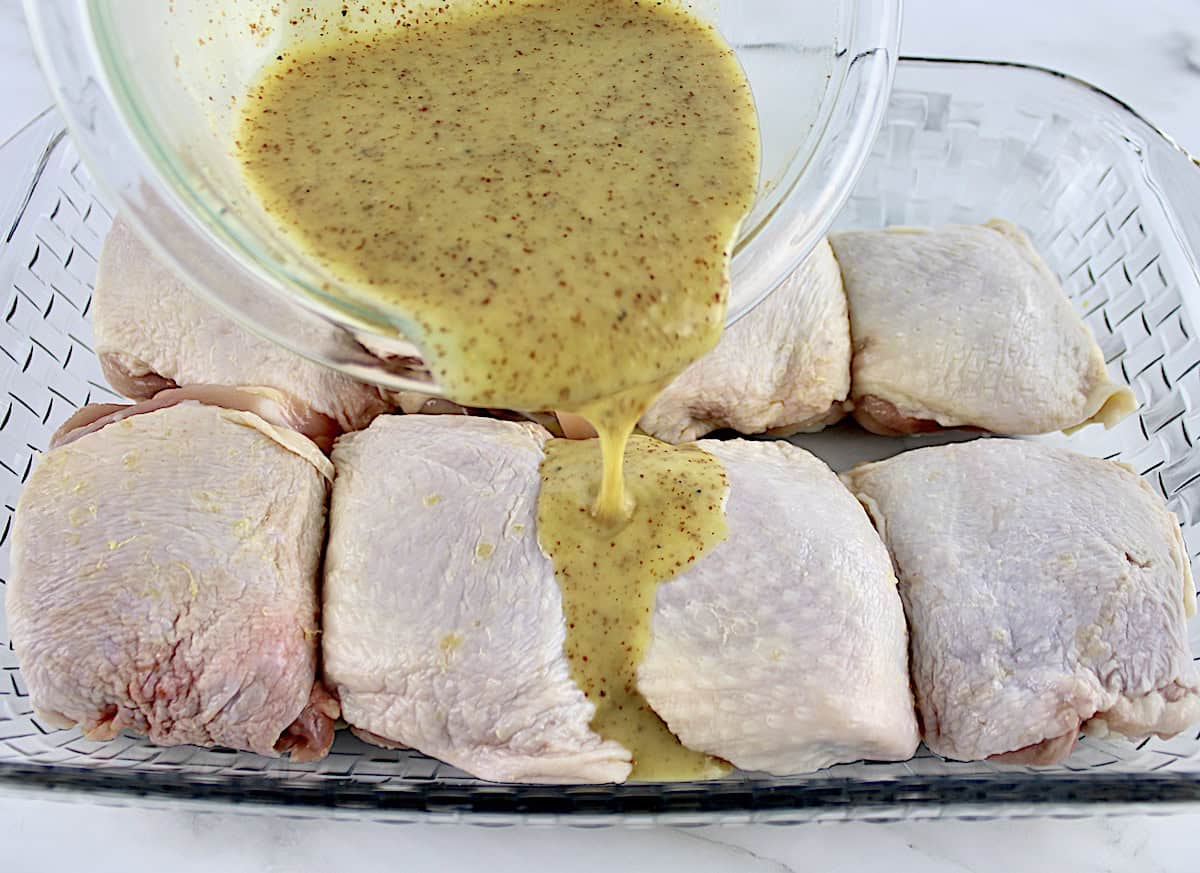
(1046, 592)
(268, 404)
(966, 326)
(785, 653)
(153, 332)
(784, 367)
(164, 580)
(460, 653)
(443, 625)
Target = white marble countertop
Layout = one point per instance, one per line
(1146, 53)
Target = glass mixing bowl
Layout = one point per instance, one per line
(151, 91)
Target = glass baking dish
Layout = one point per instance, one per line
(1111, 202)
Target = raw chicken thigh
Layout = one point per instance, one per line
(460, 653)
(164, 580)
(443, 625)
(268, 404)
(784, 653)
(966, 326)
(153, 333)
(1045, 591)
(784, 367)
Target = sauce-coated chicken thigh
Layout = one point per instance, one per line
(444, 628)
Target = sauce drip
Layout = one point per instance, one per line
(609, 573)
(614, 419)
(545, 192)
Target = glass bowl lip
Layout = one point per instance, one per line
(1018, 794)
(142, 164)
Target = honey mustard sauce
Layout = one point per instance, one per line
(609, 572)
(546, 192)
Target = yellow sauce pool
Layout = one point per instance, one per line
(609, 573)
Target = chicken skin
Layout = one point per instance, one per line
(782, 368)
(966, 326)
(153, 332)
(443, 627)
(1045, 591)
(787, 651)
(164, 580)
